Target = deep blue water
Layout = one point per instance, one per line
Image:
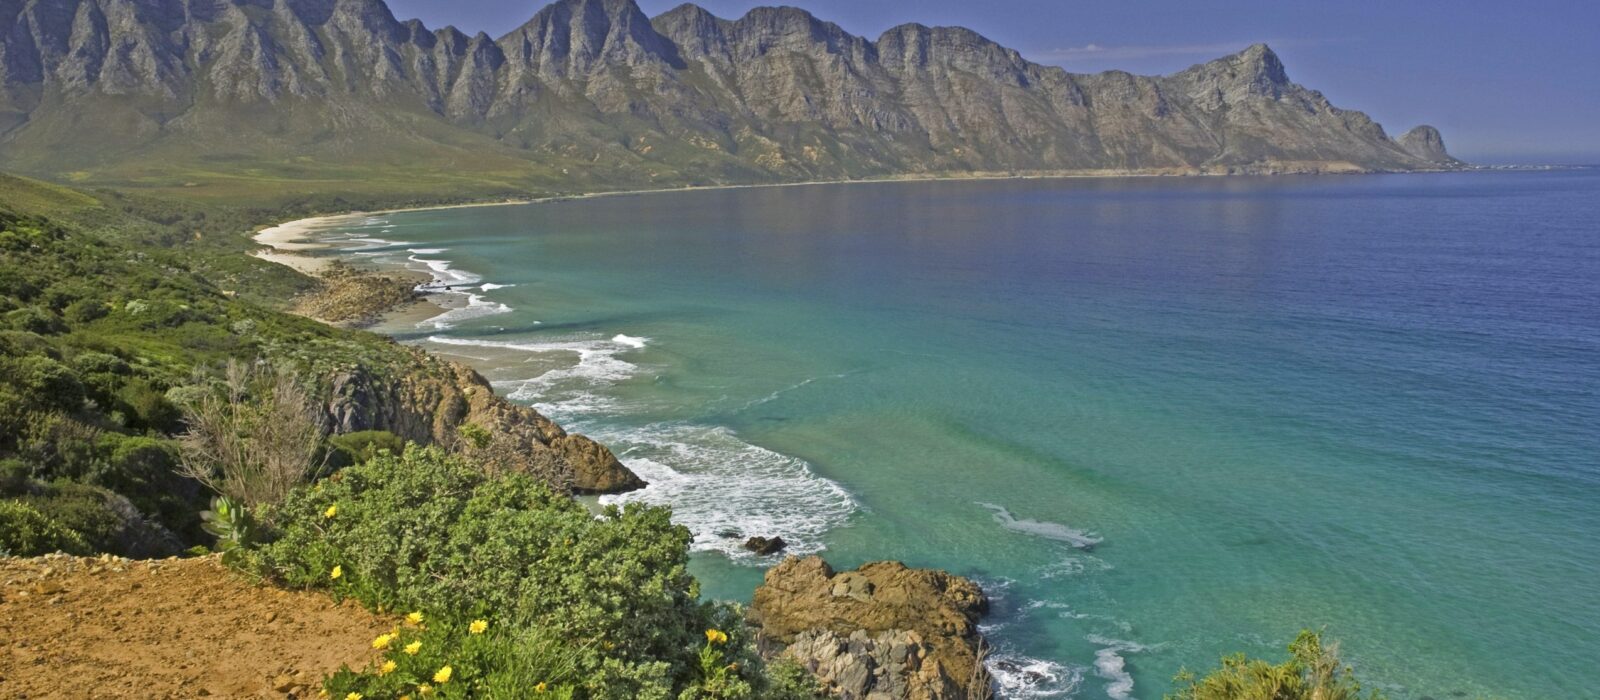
(1159, 419)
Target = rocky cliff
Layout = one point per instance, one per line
(597, 90)
(429, 400)
(882, 631)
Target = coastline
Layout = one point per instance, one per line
(291, 236)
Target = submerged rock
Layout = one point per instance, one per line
(884, 630)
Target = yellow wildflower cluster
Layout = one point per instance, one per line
(337, 572)
(716, 637)
(331, 511)
(442, 676)
(478, 626)
(382, 642)
(414, 647)
(414, 618)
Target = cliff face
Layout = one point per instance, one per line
(596, 84)
(430, 400)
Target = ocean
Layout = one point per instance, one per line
(1158, 419)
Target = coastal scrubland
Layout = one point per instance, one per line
(123, 317)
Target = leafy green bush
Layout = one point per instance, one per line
(426, 531)
(1313, 672)
(80, 509)
(351, 449)
(144, 470)
(148, 407)
(25, 532)
(34, 319)
(44, 384)
(484, 659)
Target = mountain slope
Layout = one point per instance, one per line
(591, 93)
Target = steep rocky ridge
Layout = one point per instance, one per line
(594, 90)
(882, 631)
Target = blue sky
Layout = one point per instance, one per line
(1505, 81)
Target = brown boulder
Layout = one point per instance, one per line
(884, 630)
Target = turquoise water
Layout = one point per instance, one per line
(1159, 419)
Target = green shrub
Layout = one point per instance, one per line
(148, 407)
(14, 475)
(144, 470)
(33, 319)
(1313, 672)
(495, 661)
(426, 531)
(85, 311)
(355, 448)
(25, 532)
(79, 508)
(45, 385)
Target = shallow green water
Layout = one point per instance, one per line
(1159, 420)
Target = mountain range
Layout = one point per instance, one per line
(594, 92)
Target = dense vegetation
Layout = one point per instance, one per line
(518, 586)
(106, 338)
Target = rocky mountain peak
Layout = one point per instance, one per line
(571, 39)
(687, 96)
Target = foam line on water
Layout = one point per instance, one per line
(1111, 665)
(725, 489)
(1080, 539)
(550, 391)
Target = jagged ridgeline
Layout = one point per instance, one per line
(594, 92)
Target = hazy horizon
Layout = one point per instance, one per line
(1504, 84)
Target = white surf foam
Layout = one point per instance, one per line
(1051, 531)
(726, 490)
(630, 341)
(426, 251)
(1110, 664)
(1017, 676)
(490, 286)
(597, 364)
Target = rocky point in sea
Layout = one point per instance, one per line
(882, 632)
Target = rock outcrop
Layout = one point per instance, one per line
(884, 631)
(603, 92)
(1426, 143)
(430, 400)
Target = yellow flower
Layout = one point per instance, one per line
(414, 618)
(541, 687)
(387, 668)
(382, 642)
(353, 696)
(442, 676)
(331, 511)
(414, 647)
(478, 626)
(716, 637)
(424, 689)
(337, 571)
